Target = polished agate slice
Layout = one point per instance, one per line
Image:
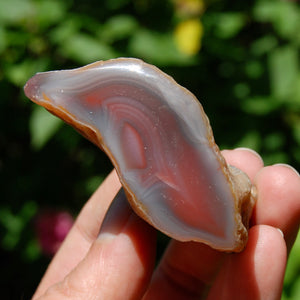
(160, 141)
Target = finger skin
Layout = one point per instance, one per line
(278, 202)
(257, 272)
(82, 234)
(119, 263)
(186, 266)
(187, 270)
(245, 159)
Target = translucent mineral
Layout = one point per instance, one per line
(159, 139)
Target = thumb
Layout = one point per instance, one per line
(119, 263)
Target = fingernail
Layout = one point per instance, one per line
(117, 216)
(250, 150)
(289, 167)
(280, 232)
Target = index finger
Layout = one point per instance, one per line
(82, 235)
(278, 202)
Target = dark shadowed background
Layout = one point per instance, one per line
(240, 58)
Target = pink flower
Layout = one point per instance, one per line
(51, 229)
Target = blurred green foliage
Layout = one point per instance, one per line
(241, 60)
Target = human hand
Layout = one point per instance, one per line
(119, 263)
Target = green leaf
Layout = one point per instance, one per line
(65, 29)
(229, 24)
(296, 289)
(86, 49)
(43, 126)
(3, 39)
(32, 251)
(251, 139)
(276, 158)
(296, 131)
(296, 95)
(116, 4)
(259, 105)
(254, 69)
(293, 266)
(266, 11)
(241, 90)
(283, 65)
(49, 12)
(157, 48)
(14, 223)
(118, 27)
(284, 15)
(263, 45)
(91, 184)
(14, 11)
(274, 141)
(18, 74)
(287, 21)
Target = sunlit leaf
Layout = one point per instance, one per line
(157, 48)
(296, 289)
(283, 65)
(14, 11)
(292, 279)
(266, 11)
(229, 24)
(43, 126)
(19, 73)
(259, 105)
(49, 12)
(293, 266)
(263, 45)
(287, 21)
(64, 30)
(118, 27)
(86, 49)
(284, 15)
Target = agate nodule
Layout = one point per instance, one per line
(160, 141)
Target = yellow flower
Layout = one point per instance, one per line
(188, 35)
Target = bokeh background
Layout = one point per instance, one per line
(240, 58)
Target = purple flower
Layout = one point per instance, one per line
(51, 229)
